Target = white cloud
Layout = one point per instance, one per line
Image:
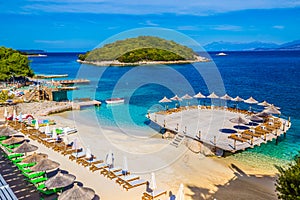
(49, 41)
(149, 23)
(278, 27)
(193, 7)
(227, 27)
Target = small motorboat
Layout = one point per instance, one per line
(221, 54)
(115, 100)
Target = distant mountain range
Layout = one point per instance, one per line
(252, 46)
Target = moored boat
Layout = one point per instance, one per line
(115, 100)
(221, 54)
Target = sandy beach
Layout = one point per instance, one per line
(203, 177)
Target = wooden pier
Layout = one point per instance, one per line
(80, 104)
(44, 76)
(74, 81)
(207, 125)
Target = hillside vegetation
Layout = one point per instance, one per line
(13, 63)
(143, 48)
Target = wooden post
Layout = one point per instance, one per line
(155, 118)
(215, 140)
(164, 123)
(177, 126)
(265, 136)
(234, 144)
(289, 122)
(148, 115)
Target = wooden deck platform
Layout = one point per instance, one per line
(213, 127)
(74, 81)
(79, 105)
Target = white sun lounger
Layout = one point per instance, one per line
(135, 183)
(122, 179)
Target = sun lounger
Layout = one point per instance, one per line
(112, 174)
(75, 156)
(87, 162)
(135, 183)
(37, 180)
(123, 179)
(33, 174)
(154, 194)
(70, 151)
(99, 166)
(106, 171)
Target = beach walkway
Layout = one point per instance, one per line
(214, 128)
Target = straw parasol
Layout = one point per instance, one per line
(176, 98)
(60, 180)
(77, 192)
(13, 140)
(251, 100)
(6, 131)
(153, 182)
(88, 153)
(14, 114)
(44, 165)
(238, 120)
(186, 97)
(272, 105)
(199, 96)
(262, 114)
(35, 157)
(237, 99)
(213, 96)
(25, 147)
(255, 118)
(264, 103)
(54, 134)
(165, 100)
(180, 193)
(226, 97)
(272, 110)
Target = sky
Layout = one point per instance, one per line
(80, 25)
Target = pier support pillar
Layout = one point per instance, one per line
(277, 140)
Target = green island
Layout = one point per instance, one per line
(141, 50)
(13, 64)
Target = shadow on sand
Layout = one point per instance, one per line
(240, 187)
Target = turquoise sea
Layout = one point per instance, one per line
(270, 76)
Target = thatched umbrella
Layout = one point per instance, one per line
(213, 96)
(176, 98)
(25, 147)
(44, 165)
(237, 99)
(272, 110)
(13, 140)
(6, 131)
(165, 100)
(250, 101)
(239, 120)
(35, 157)
(262, 114)
(226, 97)
(255, 118)
(60, 180)
(199, 96)
(187, 97)
(264, 103)
(77, 192)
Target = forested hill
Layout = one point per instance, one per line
(143, 48)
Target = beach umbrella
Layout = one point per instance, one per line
(199, 96)
(272, 110)
(6, 131)
(88, 153)
(264, 103)
(153, 182)
(238, 120)
(44, 165)
(226, 97)
(5, 114)
(47, 129)
(54, 133)
(237, 99)
(60, 180)
(176, 98)
(125, 165)
(13, 140)
(187, 97)
(14, 115)
(75, 144)
(262, 114)
(250, 101)
(34, 158)
(213, 96)
(77, 192)
(36, 125)
(25, 147)
(180, 193)
(165, 100)
(20, 117)
(272, 105)
(255, 118)
(109, 159)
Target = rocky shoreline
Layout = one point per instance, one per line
(117, 63)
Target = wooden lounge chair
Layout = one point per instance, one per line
(99, 166)
(87, 162)
(106, 171)
(123, 179)
(154, 194)
(77, 155)
(112, 174)
(135, 183)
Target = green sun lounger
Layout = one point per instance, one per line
(37, 180)
(33, 174)
(15, 155)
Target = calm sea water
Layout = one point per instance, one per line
(271, 76)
